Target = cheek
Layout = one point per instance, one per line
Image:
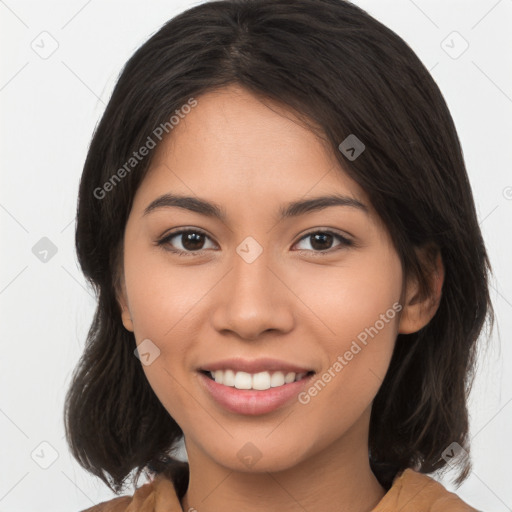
(163, 316)
(348, 298)
(338, 396)
(163, 295)
(358, 307)
(165, 300)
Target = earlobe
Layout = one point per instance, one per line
(127, 320)
(125, 312)
(418, 311)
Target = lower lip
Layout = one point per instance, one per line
(252, 402)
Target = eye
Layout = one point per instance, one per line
(190, 242)
(321, 242)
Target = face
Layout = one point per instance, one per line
(303, 306)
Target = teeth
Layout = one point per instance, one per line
(277, 379)
(259, 381)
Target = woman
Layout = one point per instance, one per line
(275, 214)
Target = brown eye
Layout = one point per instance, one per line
(192, 241)
(322, 241)
(185, 242)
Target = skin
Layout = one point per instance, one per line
(252, 157)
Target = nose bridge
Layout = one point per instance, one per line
(252, 299)
(250, 274)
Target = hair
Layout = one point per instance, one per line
(343, 72)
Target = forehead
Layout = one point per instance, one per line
(234, 145)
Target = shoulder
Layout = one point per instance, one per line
(125, 503)
(115, 505)
(155, 496)
(417, 492)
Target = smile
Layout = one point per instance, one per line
(253, 394)
(260, 381)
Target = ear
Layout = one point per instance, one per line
(123, 304)
(418, 311)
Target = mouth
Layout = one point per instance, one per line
(260, 381)
(253, 394)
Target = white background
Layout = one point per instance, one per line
(50, 107)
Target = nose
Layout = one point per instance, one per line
(253, 298)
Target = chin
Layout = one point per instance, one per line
(258, 457)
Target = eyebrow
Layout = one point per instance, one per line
(292, 209)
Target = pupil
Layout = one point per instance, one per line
(192, 241)
(322, 237)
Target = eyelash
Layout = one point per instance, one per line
(164, 242)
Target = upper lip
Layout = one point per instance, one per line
(254, 366)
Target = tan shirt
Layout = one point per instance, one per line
(411, 492)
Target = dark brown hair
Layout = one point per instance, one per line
(345, 73)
